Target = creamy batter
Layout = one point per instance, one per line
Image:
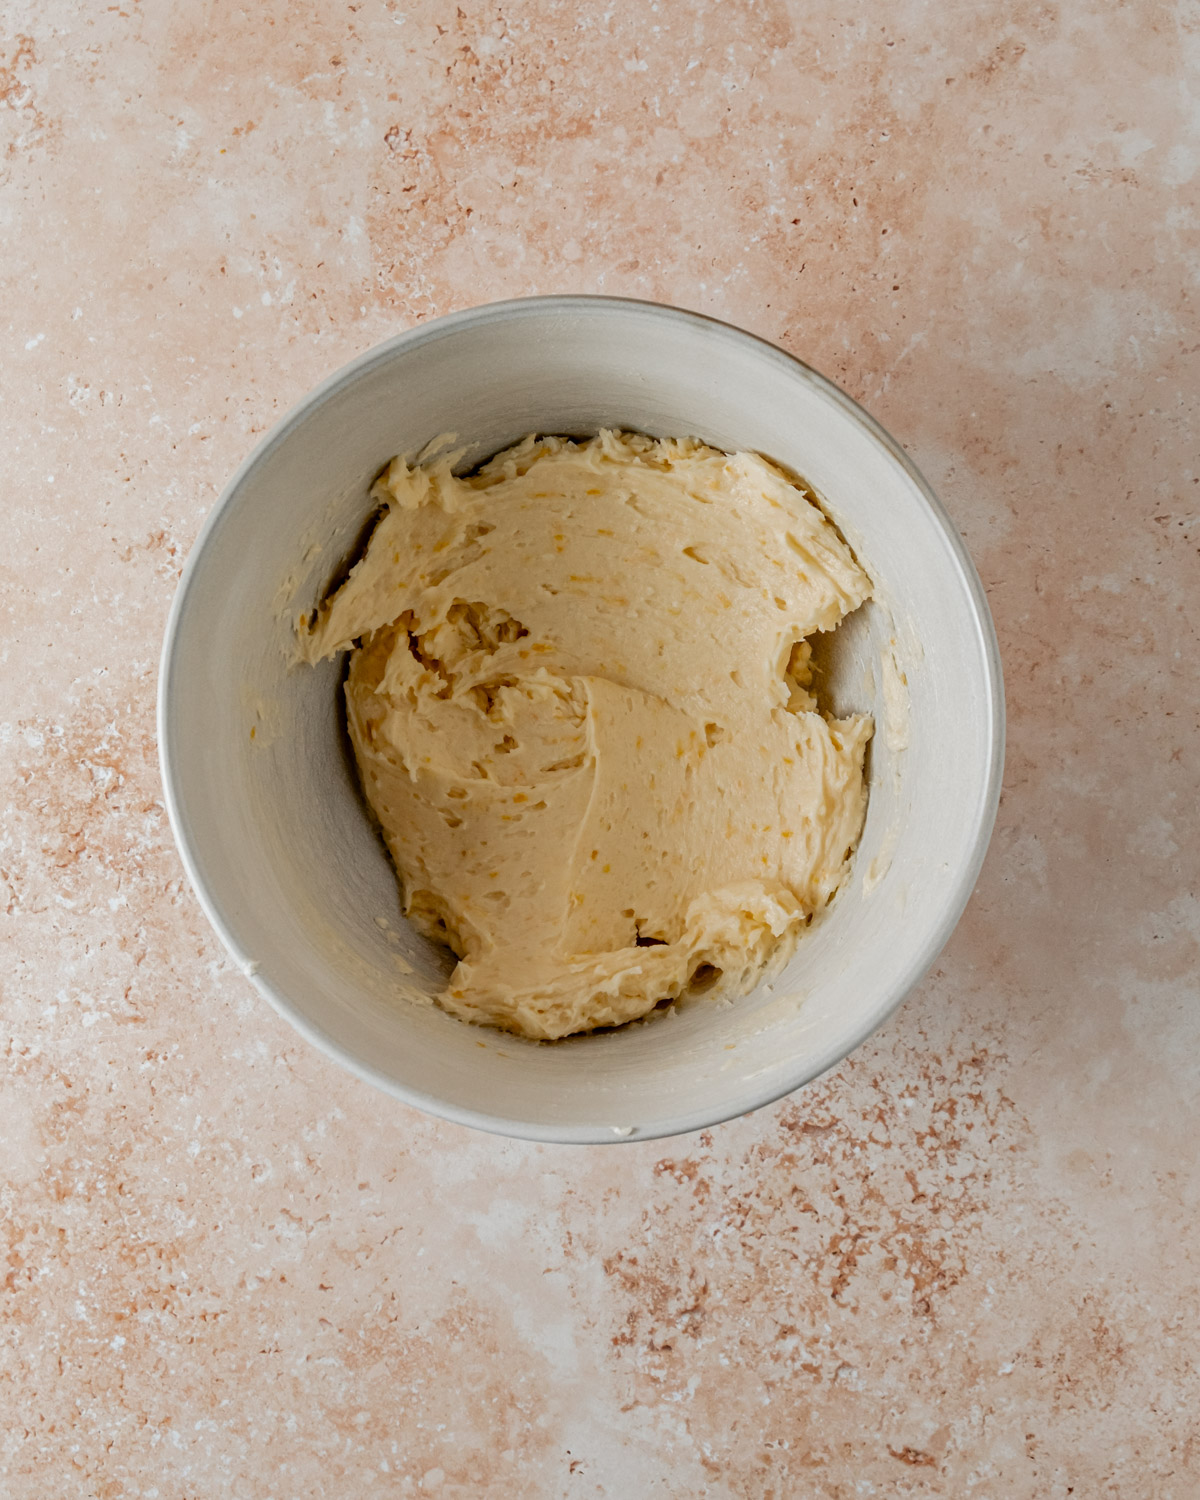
(579, 697)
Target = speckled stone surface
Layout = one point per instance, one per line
(965, 1263)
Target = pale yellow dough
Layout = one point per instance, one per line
(579, 701)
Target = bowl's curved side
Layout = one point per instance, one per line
(271, 829)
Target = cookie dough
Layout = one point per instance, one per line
(580, 700)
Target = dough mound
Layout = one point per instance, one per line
(579, 701)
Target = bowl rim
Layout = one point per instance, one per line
(987, 805)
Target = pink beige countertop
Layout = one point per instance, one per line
(964, 1263)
